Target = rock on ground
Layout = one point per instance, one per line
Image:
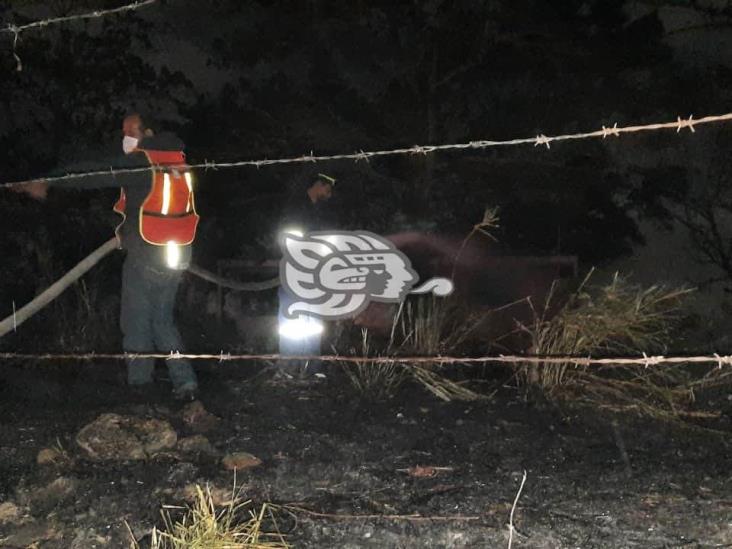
(198, 419)
(197, 444)
(116, 437)
(240, 460)
(9, 513)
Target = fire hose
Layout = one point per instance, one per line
(233, 284)
(52, 292)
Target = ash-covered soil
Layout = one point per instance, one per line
(349, 469)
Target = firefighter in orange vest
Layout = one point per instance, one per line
(157, 231)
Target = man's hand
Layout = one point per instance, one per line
(38, 190)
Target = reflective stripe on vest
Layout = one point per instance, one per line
(168, 213)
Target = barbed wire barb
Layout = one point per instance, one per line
(16, 35)
(542, 139)
(610, 131)
(689, 123)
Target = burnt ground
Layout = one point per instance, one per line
(327, 451)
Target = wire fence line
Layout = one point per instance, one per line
(16, 30)
(678, 125)
(644, 360)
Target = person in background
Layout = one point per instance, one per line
(158, 227)
(306, 211)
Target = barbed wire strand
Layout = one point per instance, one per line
(541, 139)
(644, 360)
(16, 30)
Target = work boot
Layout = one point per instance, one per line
(313, 368)
(187, 392)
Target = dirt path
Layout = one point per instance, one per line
(344, 467)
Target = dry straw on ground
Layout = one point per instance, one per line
(616, 318)
(237, 525)
(425, 326)
(376, 380)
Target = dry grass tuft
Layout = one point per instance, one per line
(422, 326)
(377, 379)
(235, 526)
(617, 318)
(432, 326)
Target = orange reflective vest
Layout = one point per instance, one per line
(168, 213)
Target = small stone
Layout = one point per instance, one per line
(50, 456)
(31, 535)
(53, 494)
(197, 444)
(198, 419)
(140, 530)
(220, 497)
(9, 512)
(182, 473)
(89, 539)
(240, 460)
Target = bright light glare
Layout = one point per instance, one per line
(172, 254)
(301, 327)
(294, 232)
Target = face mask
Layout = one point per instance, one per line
(129, 144)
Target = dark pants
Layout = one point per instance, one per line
(147, 322)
